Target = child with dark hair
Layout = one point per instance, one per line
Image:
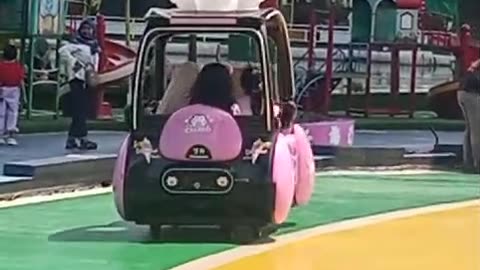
(214, 87)
(12, 75)
(251, 102)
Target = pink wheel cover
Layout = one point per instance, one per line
(283, 175)
(119, 177)
(305, 167)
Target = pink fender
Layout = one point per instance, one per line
(119, 177)
(305, 167)
(283, 174)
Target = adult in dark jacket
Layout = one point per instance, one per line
(469, 100)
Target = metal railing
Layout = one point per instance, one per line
(438, 39)
(305, 79)
(344, 63)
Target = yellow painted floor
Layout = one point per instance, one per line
(447, 240)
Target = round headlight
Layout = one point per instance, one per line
(171, 181)
(223, 182)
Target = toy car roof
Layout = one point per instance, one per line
(176, 17)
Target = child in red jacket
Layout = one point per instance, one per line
(12, 75)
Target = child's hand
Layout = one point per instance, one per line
(474, 66)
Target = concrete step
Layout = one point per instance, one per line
(380, 156)
(11, 184)
(434, 158)
(30, 168)
(11, 179)
(58, 171)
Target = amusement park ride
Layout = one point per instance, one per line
(175, 170)
(201, 165)
(407, 25)
(44, 21)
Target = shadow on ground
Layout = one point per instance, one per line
(124, 232)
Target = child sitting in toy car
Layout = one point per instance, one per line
(214, 87)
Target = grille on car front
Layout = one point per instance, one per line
(197, 181)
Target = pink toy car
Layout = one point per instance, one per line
(196, 164)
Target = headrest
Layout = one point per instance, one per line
(201, 133)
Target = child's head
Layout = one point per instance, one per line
(10, 53)
(288, 113)
(250, 80)
(213, 87)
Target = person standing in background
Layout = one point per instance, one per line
(469, 101)
(12, 74)
(79, 59)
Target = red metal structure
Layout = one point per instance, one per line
(319, 97)
(104, 109)
(329, 63)
(393, 107)
(312, 38)
(410, 4)
(394, 48)
(270, 3)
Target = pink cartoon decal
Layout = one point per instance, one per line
(145, 148)
(198, 123)
(259, 148)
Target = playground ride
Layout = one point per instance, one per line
(394, 27)
(200, 165)
(34, 23)
(361, 32)
(116, 63)
(120, 63)
(354, 55)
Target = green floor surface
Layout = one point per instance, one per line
(86, 234)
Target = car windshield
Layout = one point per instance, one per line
(173, 62)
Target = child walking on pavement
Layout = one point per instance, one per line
(12, 75)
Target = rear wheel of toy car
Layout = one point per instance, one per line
(267, 231)
(244, 234)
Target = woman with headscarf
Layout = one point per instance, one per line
(469, 100)
(80, 58)
(177, 94)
